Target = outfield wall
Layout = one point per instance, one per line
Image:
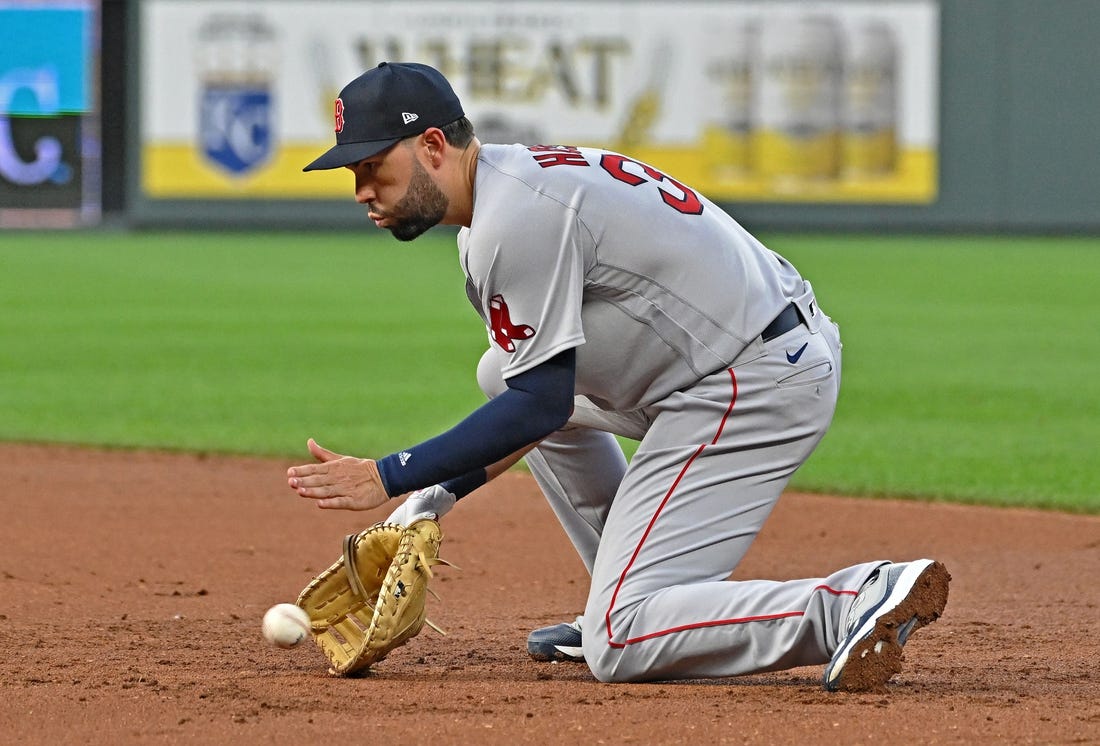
(994, 131)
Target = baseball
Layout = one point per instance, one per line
(285, 625)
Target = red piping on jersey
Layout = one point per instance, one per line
(645, 535)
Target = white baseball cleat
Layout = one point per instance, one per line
(896, 601)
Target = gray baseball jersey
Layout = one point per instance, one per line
(665, 298)
(595, 251)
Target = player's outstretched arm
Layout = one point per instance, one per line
(341, 482)
(536, 403)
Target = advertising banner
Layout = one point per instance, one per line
(825, 101)
(48, 132)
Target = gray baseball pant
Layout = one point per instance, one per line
(662, 534)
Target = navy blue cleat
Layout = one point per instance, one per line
(895, 602)
(559, 642)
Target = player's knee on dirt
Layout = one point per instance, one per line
(613, 664)
(609, 664)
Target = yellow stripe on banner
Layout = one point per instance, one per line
(180, 171)
(913, 179)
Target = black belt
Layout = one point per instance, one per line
(787, 319)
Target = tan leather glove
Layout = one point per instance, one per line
(371, 601)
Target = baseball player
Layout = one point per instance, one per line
(619, 300)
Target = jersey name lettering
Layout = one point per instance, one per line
(558, 155)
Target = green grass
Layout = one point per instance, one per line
(233, 342)
(968, 369)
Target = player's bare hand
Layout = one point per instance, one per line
(338, 482)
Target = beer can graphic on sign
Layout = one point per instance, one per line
(870, 101)
(727, 131)
(798, 78)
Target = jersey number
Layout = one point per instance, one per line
(679, 198)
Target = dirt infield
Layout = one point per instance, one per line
(133, 585)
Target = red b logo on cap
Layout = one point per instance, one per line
(339, 115)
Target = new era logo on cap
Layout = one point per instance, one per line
(384, 106)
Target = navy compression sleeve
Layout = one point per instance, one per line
(536, 403)
(467, 483)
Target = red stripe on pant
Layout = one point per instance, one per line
(733, 620)
(649, 528)
(653, 520)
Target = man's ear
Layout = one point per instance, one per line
(434, 142)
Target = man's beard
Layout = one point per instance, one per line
(422, 207)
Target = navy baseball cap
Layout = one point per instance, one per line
(385, 105)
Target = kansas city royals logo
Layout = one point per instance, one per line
(504, 331)
(236, 126)
(235, 112)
